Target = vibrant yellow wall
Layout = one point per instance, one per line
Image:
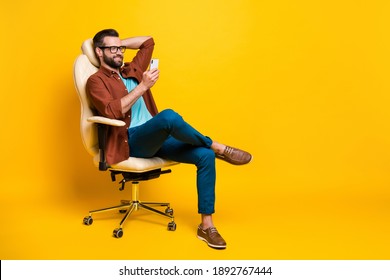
(303, 85)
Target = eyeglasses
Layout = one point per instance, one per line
(114, 49)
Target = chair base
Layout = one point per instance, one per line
(129, 206)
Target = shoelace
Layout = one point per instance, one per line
(228, 150)
(213, 230)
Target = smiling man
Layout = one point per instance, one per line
(122, 91)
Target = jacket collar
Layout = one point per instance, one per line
(126, 71)
(108, 72)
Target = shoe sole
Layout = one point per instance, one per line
(212, 245)
(234, 163)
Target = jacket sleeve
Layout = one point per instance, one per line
(101, 98)
(141, 60)
(144, 54)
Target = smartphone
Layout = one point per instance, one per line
(153, 63)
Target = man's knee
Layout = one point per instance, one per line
(170, 116)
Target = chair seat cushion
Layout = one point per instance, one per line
(133, 164)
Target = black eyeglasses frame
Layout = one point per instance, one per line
(114, 49)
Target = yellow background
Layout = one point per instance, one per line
(303, 85)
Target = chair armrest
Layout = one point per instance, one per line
(107, 121)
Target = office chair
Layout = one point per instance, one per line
(93, 131)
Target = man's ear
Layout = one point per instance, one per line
(98, 52)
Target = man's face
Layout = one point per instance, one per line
(114, 60)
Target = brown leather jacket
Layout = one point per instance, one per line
(105, 90)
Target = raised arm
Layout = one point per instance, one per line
(149, 78)
(134, 43)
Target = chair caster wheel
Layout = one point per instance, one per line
(88, 220)
(118, 232)
(172, 226)
(122, 211)
(169, 211)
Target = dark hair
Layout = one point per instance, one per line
(99, 37)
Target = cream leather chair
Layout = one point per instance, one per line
(133, 169)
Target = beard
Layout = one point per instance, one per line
(110, 61)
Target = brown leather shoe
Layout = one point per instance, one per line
(235, 156)
(211, 237)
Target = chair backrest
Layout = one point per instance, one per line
(85, 65)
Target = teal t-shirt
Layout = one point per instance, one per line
(139, 112)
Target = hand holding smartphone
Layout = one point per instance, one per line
(153, 63)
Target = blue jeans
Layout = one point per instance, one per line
(168, 136)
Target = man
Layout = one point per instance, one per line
(122, 91)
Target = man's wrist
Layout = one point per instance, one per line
(142, 88)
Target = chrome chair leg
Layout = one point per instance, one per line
(129, 206)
